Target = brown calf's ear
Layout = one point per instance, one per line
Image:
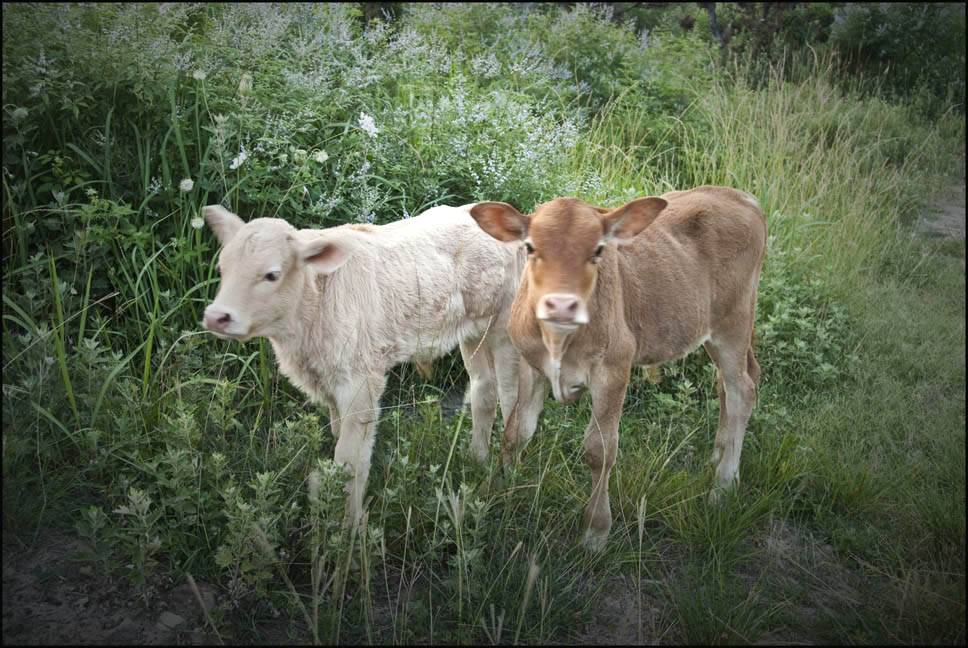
(501, 220)
(224, 223)
(328, 252)
(632, 217)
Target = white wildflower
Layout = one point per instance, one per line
(186, 185)
(321, 156)
(245, 85)
(220, 119)
(198, 222)
(283, 158)
(199, 75)
(238, 160)
(366, 123)
(299, 156)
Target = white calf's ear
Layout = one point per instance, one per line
(501, 220)
(224, 223)
(329, 251)
(632, 217)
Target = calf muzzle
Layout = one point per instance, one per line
(217, 320)
(562, 310)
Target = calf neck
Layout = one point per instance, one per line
(643, 283)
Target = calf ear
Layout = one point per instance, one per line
(223, 222)
(326, 253)
(501, 220)
(632, 217)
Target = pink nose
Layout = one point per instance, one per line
(561, 308)
(216, 320)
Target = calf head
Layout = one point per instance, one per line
(565, 239)
(264, 265)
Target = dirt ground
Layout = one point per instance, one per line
(50, 598)
(949, 220)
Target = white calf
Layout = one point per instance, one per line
(341, 306)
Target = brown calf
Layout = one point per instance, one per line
(644, 283)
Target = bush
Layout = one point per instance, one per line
(917, 51)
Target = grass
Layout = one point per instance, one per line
(178, 455)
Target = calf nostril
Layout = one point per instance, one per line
(572, 306)
(224, 319)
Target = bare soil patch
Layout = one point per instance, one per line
(50, 598)
(948, 216)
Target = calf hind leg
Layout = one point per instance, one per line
(737, 393)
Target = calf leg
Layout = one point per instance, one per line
(358, 403)
(523, 418)
(733, 363)
(601, 448)
(334, 421)
(506, 367)
(721, 428)
(480, 368)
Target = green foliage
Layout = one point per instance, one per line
(137, 534)
(917, 50)
(803, 336)
(712, 614)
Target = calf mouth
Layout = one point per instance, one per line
(224, 335)
(561, 326)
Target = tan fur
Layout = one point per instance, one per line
(350, 302)
(675, 272)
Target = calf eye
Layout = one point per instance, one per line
(598, 254)
(529, 247)
(271, 276)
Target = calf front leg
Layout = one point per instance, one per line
(601, 448)
(334, 421)
(358, 405)
(480, 368)
(523, 419)
(507, 367)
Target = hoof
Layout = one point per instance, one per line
(715, 496)
(594, 541)
(479, 454)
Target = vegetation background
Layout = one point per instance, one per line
(176, 455)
